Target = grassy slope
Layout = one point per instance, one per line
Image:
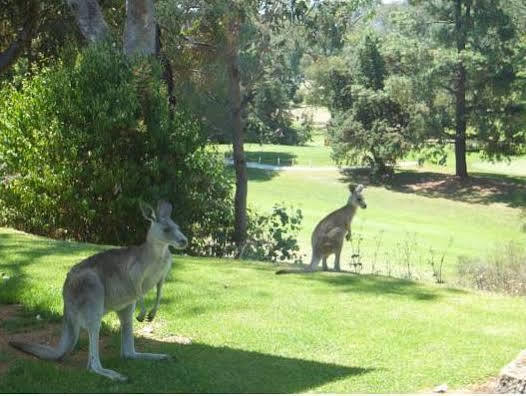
(312, 154)
(478, 223)
(476, 228)
(255, 332)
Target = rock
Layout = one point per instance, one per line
(512, 378)
(440, 389)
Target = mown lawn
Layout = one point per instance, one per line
(312, 154)
(422, 214)
(253, 331)
(400, 226)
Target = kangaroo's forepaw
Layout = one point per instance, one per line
(140, 317)
(151, 316)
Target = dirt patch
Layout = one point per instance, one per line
(49, 334)
(151, 331)
(481, 189)
(478, 188)
(448, 185)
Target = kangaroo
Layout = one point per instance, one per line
(113, 281)
(328, 236)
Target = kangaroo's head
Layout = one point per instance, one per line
(356, 198)
(162, 228)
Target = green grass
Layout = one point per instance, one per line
(253, 331)
(478, 215)
(312, 154)
(400, 224)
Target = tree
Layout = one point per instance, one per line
(233, 30)
(224, 56)
(475, 44)
(30, 9)
(382, 117)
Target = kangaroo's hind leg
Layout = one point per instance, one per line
(87, 300)
(337, 255)
(127, 342)
(324, 263)
(315, 261)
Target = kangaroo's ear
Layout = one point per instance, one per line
(359, 188)
(147, 211)
(164, 209)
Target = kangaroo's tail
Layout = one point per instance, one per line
(68, 339)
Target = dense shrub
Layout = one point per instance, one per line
(81, 143)
(503, 271)
(273, 236)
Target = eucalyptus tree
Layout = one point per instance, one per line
(229, 55)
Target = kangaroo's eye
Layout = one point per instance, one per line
(166, 229)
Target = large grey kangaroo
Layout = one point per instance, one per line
(328, 236)
(113, 281)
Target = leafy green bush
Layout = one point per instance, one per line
(81, 143)
(273, 237)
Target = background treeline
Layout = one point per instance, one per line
(86, 131)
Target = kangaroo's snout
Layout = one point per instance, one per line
(180, 241)
(183, 242)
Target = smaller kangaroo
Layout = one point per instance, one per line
(328, 236)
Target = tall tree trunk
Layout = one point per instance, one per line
(238, 133)
(89, 19)
(11, 54)
(140, 31)
(460, 91)
(167, 72)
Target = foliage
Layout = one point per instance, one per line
(269, 58)
(273, 236)
(83, 141)
(330, 81)
(476, 54)
(381, 119)
(503, 271)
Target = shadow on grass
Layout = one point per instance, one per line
(349, 282)
(198, 368)
(270, 157)
(17, 253)
(479, 188)
(260, 175)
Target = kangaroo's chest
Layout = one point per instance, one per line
(155, 271)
